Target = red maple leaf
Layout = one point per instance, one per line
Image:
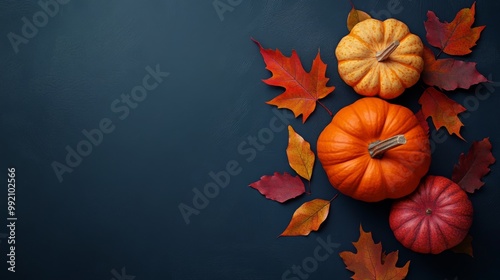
(423, 121)
(473, 166)
(443, 110)
(302, 89)
(456, 37)
(449, 74)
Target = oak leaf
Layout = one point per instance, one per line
(302, 89)
(456, 37)
(308, 217)
(370, 263)
(473, 166)
(300, 156)
(443, 110)
(356, 16)
(279, 187)
(448, 73)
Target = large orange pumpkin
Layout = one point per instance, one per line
(380, 58)
(373, 150)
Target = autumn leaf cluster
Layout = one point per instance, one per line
(456, 39)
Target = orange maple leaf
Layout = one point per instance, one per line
(456, 37)
(308, 217)
(300, 156)
(369, 262)
(302, 89)
(443, 110)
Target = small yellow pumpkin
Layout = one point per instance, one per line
(380, 58)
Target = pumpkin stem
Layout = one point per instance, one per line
(384, 54)
(378, 148)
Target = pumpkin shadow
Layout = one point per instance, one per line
(374, 211)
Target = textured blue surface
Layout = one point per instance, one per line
(119, 207)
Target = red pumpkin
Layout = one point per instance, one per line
(436, 217)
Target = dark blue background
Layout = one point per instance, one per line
(119, 207)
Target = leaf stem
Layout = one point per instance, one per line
(439, 53)
(335, 196)
(352, 4)
(324, 107)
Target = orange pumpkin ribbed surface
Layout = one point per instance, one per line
(380, 58)
(373, 150)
